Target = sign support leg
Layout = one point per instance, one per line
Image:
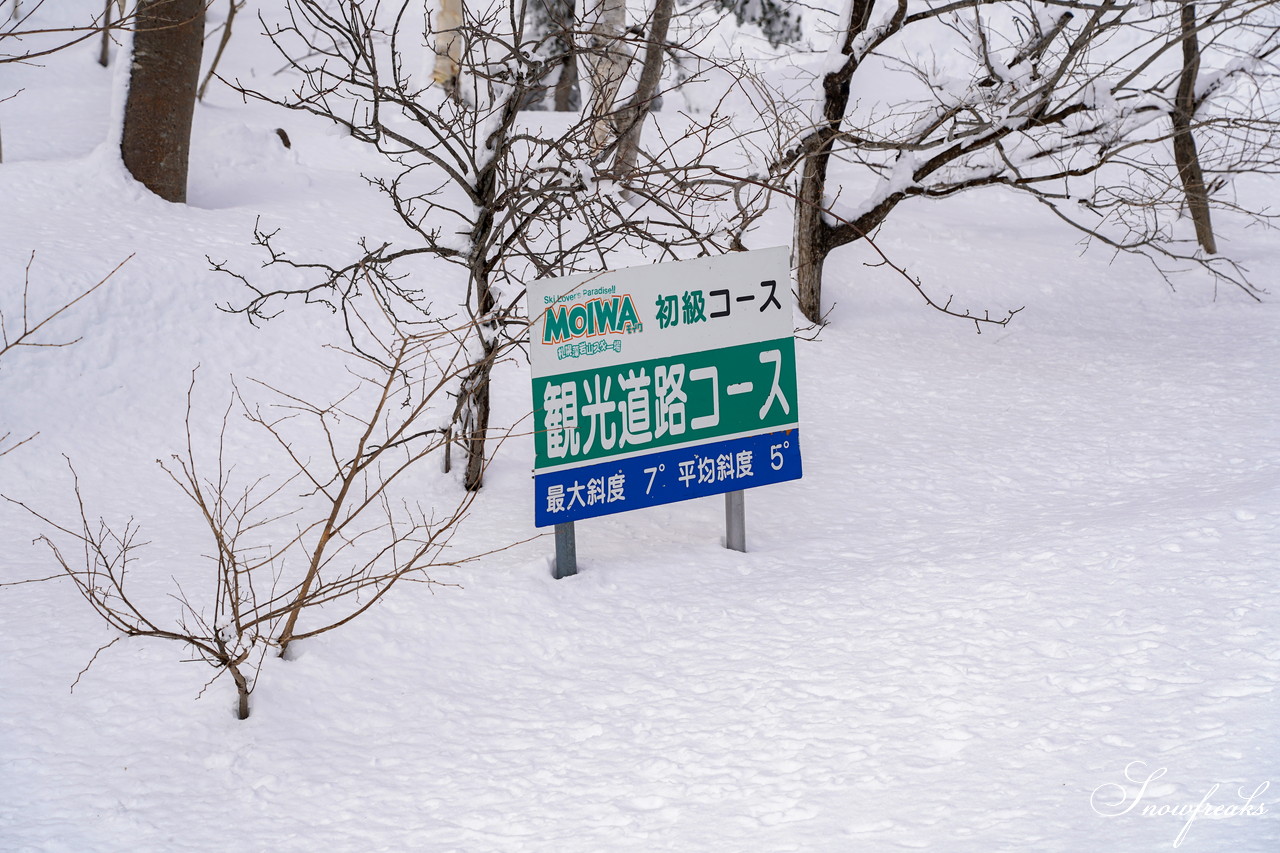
(566, 560)
(735, 521)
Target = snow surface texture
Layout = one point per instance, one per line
(1025, 572)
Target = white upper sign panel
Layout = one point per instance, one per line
(599, 320)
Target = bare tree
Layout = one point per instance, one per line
(24, 37)
(1069, 102)
(1230, 110)
(233, 8)
(164, 75)
(480, 188)
(297, 555)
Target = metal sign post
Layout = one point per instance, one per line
(735, 521)
(659, 384)
(566, 560)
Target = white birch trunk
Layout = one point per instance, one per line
(448, 46)
(607, 58)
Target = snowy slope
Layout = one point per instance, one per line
(1020, 566)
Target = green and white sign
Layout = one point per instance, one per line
(662, 383)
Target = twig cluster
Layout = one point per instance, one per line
(478, 185)
(26, 333)
(297, 555)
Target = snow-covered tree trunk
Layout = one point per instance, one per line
(813, 235)
(163, 78)
(474, 395)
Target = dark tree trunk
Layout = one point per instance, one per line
(162, 94)
(813, 237)
(104, 50)
(551, 23)
(812, 243)
(1185, 155)
(475, 427)
(632, 116)
(566, 94)
(471, 417)
(242, 690)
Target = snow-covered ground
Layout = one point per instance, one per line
(1026, 572)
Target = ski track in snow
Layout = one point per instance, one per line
(1017, 563)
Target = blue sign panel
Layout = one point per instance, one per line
(667, 476)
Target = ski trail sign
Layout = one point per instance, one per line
(662, 383)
